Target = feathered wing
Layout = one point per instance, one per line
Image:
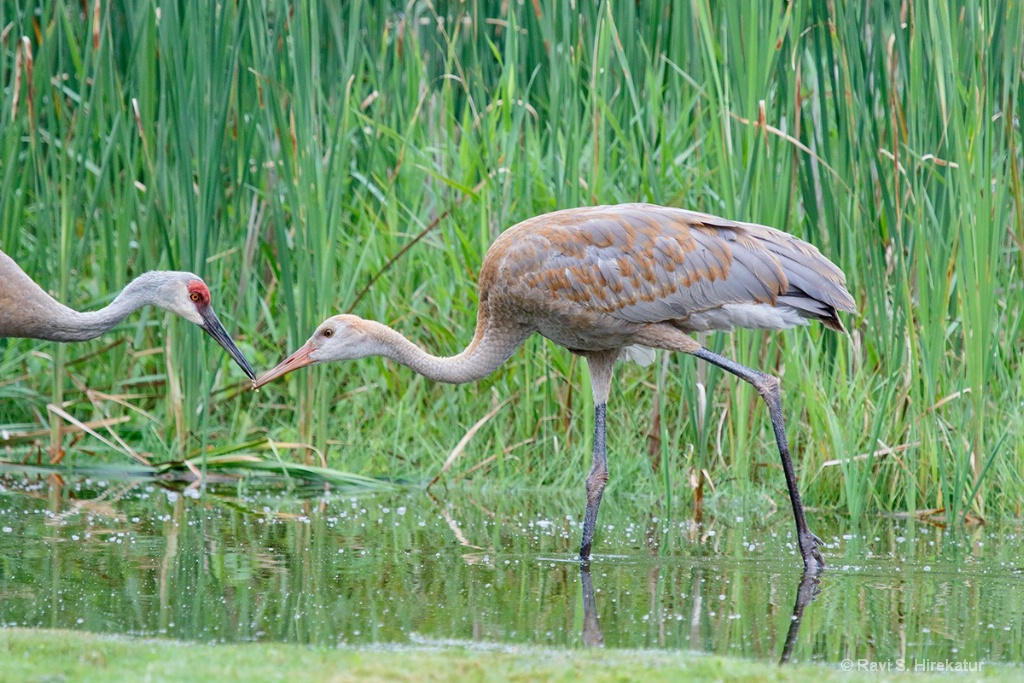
(817, 287)
(640, 263)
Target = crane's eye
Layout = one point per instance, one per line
(195, 297)
(328, 332)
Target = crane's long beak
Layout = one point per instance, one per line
(293, 362)
(213, 327)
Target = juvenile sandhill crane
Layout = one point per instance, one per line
(611, 281)
(27, 311)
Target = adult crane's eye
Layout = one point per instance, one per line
(328, 332)
(195, 296)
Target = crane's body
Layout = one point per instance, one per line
(606, 277)
(606, 281)
(26, 310)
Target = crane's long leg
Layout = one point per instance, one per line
(596, 481)
(768, 387)
(601, 364)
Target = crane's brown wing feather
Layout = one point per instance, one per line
(645, 264)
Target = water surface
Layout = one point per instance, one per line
(496, 568)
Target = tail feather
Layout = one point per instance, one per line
(817, 287)
(813, 309)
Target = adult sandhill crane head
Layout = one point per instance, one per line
(185, 294)
(615, 282)
(26, 310)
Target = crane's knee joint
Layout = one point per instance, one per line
(768, 385)
(596, 480)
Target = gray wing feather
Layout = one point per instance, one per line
(647, 264)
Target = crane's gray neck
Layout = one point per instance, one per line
(490, 348)
(66, 324)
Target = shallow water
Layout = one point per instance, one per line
(497, 568)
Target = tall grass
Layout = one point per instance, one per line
(290, 152)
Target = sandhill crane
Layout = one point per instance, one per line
(613, 281)
(27, 311)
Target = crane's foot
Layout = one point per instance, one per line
(814, 563)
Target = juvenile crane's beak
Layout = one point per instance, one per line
(213, 327)
(297, 360)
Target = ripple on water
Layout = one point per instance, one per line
(495, 570)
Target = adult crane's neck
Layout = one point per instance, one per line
(67, 324)
(490, 348)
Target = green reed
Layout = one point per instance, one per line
(292, 154)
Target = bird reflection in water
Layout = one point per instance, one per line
(807, 591)
(592, 634)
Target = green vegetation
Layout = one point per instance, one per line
(39, 655)
(313, 158)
